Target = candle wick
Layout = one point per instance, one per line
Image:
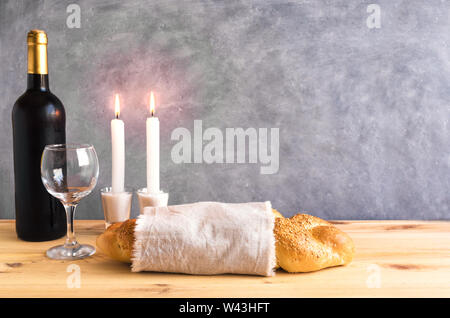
(117, 116)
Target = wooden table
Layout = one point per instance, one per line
(393, 259)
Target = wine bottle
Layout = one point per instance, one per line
(38, 119)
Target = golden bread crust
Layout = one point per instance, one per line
(117, 241)
(306, 243)
(277, 214)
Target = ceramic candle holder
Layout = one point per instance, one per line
(151, 199)
(116, 205)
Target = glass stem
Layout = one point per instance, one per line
(71, 241)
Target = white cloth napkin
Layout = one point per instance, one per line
(206, 238)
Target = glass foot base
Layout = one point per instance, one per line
(78, 252)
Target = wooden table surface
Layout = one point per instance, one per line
(393, 259)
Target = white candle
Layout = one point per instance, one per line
(118, 150)
(152, 127)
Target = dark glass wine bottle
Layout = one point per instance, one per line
(38, 119)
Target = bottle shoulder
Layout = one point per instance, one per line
(38, 102)
(36, 98)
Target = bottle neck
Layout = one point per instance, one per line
(38, 82)
(37, 64)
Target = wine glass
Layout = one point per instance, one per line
(69, 172)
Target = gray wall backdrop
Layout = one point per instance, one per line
(363, 113)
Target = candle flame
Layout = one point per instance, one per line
(152, 103)
(117, 105)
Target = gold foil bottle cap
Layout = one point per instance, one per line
(37, 37)
(37, 52)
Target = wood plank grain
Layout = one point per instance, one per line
(402, 258)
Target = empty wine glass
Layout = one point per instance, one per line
(69, 172)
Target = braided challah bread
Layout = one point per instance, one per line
(304, 243)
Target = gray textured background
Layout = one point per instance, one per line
(363, 113)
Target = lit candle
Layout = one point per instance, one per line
(118, 149)
(152, 126)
